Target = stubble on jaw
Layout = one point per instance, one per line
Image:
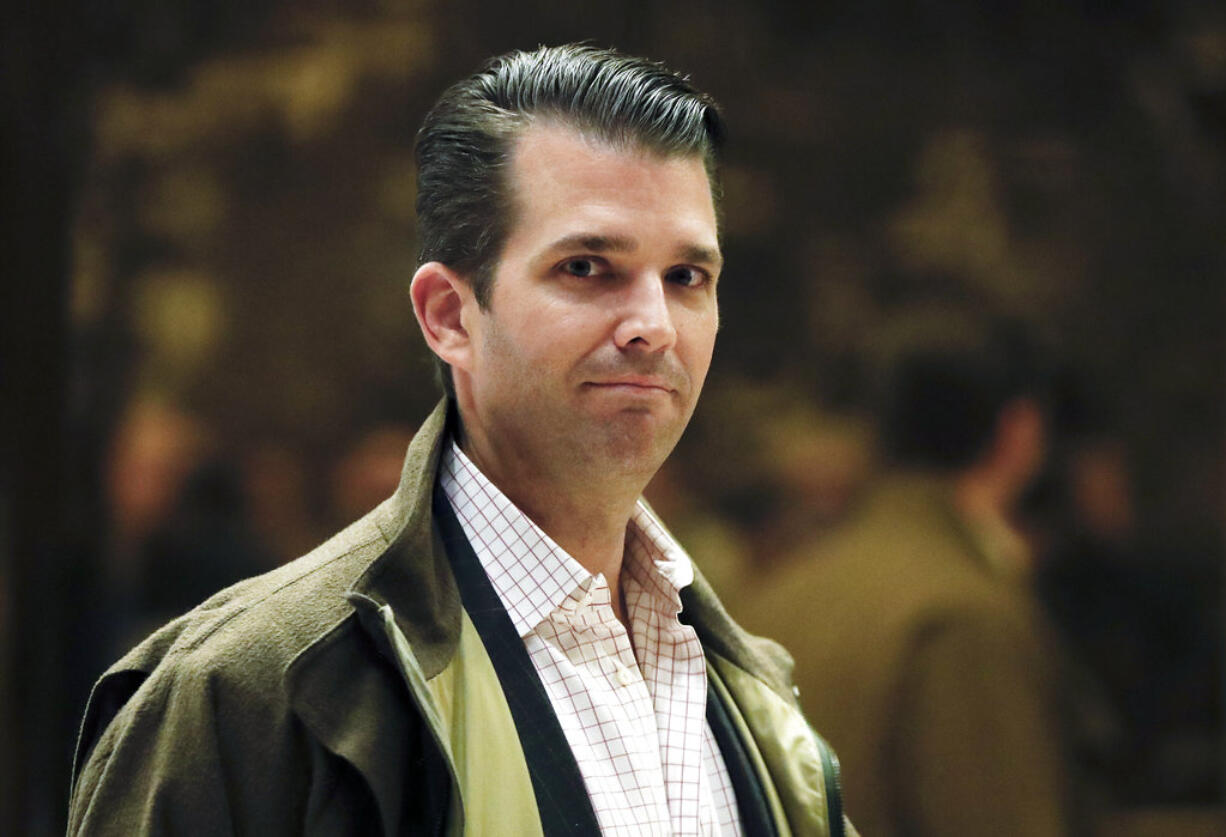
(576, 446)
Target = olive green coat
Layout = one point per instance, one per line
(347, 693)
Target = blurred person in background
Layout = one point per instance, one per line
(512, 643)
(1140, 618)
(181, 522)
(156, 448)
(368, 470)
(206, 542)
(919, 650)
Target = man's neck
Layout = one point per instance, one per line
(978, 495)
(589, 526)
(585, 517)
(987, 507)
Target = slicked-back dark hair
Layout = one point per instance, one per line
(465, 207)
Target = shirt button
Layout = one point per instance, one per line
(624, 675)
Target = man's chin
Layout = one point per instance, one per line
(647, 421)
(640, 440)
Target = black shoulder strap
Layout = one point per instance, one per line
(561, 795)
(834, 789)
(750, 799)
(756, 820)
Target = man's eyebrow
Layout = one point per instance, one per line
(701, 255)
(596, 243)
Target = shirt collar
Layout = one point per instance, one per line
(532, 575)
(654, 558)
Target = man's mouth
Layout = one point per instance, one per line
(645, 383)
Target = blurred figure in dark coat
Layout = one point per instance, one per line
(919, 650)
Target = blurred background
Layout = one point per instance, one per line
(210, 361)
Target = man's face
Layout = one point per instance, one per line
(602, 318)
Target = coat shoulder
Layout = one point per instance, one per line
(264, 622)
(213, 688)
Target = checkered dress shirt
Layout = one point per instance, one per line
(633, 711)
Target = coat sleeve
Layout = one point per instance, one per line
(191, 751)
(978, 737)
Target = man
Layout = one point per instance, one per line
(919, 652)
(496, 649)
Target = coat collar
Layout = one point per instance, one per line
(413, 575)
(358, 710)
(926, 499)
(720, 634)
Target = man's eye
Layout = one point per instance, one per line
(687, 277)
(579, 267)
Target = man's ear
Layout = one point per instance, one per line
(439, 298)
(1021, 437)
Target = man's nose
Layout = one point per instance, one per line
(646, 321)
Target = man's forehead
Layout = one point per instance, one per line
(550, 153)
(548, 136)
